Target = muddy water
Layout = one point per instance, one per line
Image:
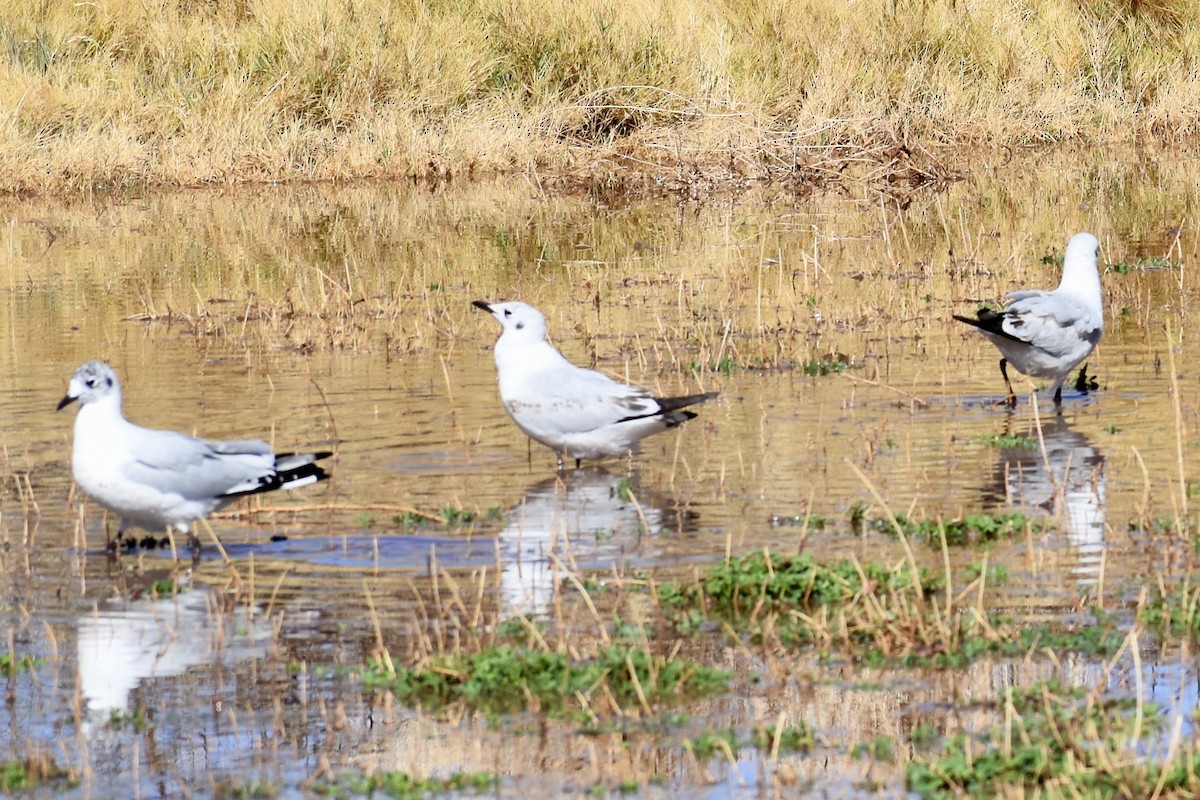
(340, 318)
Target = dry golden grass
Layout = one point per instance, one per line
(680, 94)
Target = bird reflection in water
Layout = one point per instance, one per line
(586, 519)
(123, 645)
(1068, 481)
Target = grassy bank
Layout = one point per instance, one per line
(681, 95)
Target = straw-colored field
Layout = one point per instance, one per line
(678, 96)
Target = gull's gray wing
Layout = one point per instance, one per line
(1049, 321)
(584, 400)
(196, 468)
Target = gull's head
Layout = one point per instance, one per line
(520, 321)
(1083, 255)
(92, 381)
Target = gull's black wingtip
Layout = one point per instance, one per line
(674, 403)
(986, 320)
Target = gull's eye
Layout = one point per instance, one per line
(508, 312)
(91, 383)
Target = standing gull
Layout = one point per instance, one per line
(578, 413)
(162, 479)
(1047, 333)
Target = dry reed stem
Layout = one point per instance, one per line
(304, 509)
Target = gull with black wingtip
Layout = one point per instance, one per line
(155, 479)
(1046, 334)
(578, 413)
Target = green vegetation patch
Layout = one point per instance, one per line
(18, 662)
(799, 738)
(448, 517)
(164, 587)
(968, 529)
(1173, 611)
(831, 365)
(136, 720)
(1013, 440)
(1149, 264)
(27, 773)
(507, 678)
(802, 582)
(725, 366)
(1055, 742)
(402, 786)
(874, 614)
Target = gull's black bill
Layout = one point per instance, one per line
(66, 401)
(481, 304)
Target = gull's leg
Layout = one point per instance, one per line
(1012, 396)
(578, 463)
(561, 466)
(114, 545)
(193, 542)
(1058, 395)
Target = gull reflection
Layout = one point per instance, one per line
(586, 519)
(1068, 481)
(123, 644)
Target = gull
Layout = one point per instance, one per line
(156, 479)
(1047, 333)
(578, 413)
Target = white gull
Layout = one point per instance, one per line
(579, 413)
(1046, 334)
(156, 479)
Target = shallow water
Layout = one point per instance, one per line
(340, 317)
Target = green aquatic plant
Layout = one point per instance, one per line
(827, 366)
(1174, 611)
(725, 366)
(1168, 526)
(166, 587)
(135, 720)
(506, 678)
(814, 522)
(881, 748)
(245, 790)
(403, 786)
(1055, 742)
(18, 775)
(1008, 440)
(1148, 264)
(798, 738)
(873, 614)
(965, 530)
(18, 662)
(448, 517)
(712, 743)
(622, 491)
(994, 573)
(802, 581)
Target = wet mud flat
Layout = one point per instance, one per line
(853, 574)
